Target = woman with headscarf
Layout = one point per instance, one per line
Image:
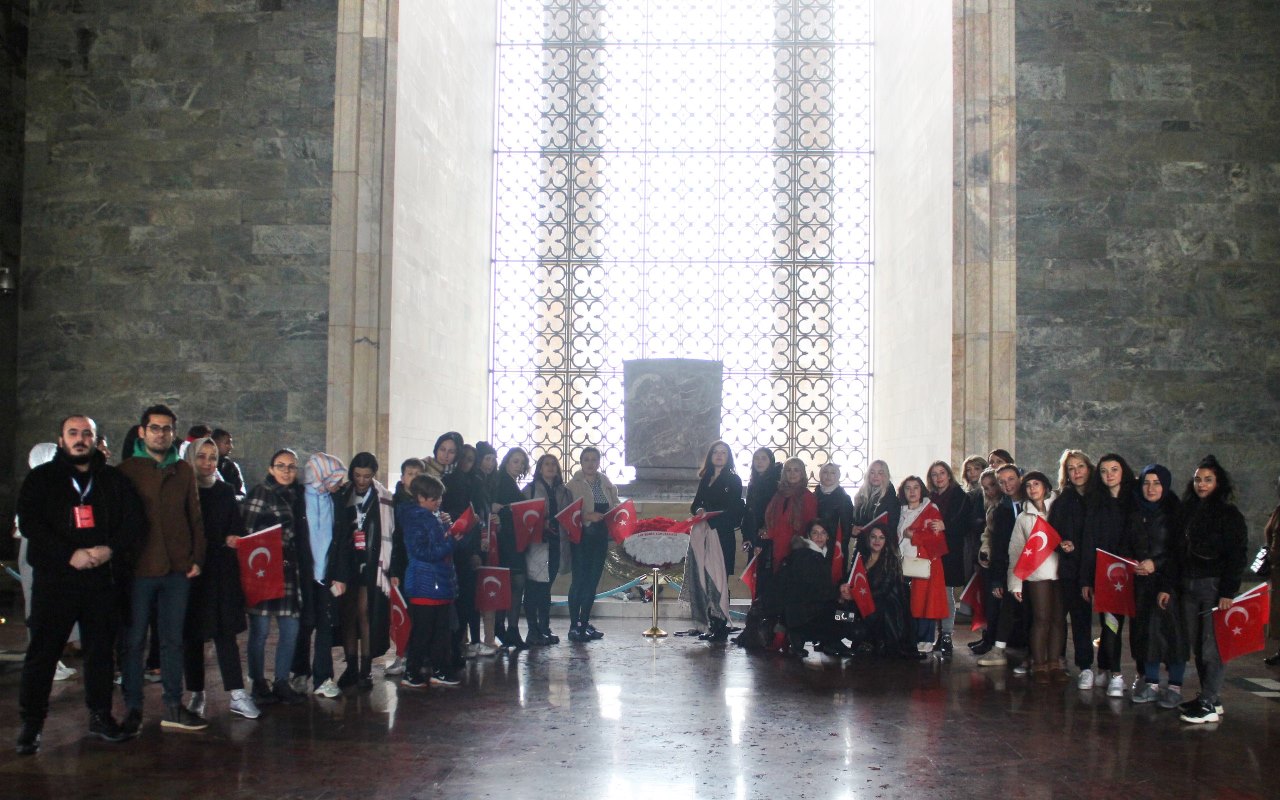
(215, 603)
(365, 523)
(1206, 566)
(324, 584)
(835, 509)
(277, 501)
(791, 508)
(1157, 635)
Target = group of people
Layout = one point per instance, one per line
(1190, 555)
(151, 545)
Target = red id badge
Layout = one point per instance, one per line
(82, 517)
(360, 540)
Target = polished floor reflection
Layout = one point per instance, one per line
(629, 718)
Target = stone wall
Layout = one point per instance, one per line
(177, 210)
(13, 78)
(1148, 235)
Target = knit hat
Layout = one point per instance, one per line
(324, 472)
(483, 449)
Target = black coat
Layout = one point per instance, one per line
(805, 591)
(504, 491)
(760, 490)
(954, 505)
(724, 494)
(1107, 526)
(216, 605)
(1002, 519)
(1214, 544)
(44, 508)
(866, 510)
(1066, 515)
(835, 509)
(459, 495)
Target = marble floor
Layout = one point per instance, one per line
(626, 717)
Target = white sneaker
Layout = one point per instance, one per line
(484, 650)
(196, 704)
(242, 704)
(1085, 680)
(330, 689)
(1101, 677)
(64, 673)
(396, 667)
(469, 650)
(1115, 687)
(924, 647)
(1022, 668)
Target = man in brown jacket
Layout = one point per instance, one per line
(171, 554)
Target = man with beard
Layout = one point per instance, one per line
(79, 517)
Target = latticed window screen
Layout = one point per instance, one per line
(684, 178)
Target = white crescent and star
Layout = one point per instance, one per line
(254, 554)
(1044, 540)
(525, 518)
(1120, 582)
(484, 586)
(1227, 619)
(395, 609)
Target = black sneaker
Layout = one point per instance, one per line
(443, 679)
(132, 723)
(179, 718)
(1202, 713)
(945, 647)
(577, 634)
(285, 693)
(413, 682)
(262, 693)
(350, 677)
(104, 727)
(1192, 705)
(592, 632)
(28, 743)
(550, 637)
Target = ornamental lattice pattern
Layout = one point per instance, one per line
(692, 179)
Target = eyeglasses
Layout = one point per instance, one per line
(285, 467)
(166, 429)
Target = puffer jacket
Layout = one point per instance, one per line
(430, 574)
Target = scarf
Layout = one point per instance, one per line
(170, 458)
(812, 545)
(192, 449)
(1166, 480)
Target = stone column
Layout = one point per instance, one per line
(360, 243)
(984, 311)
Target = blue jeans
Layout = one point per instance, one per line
(259, 627)
(168, 595)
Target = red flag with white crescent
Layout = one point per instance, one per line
(493, 589)
(401, 623)
(1042, 541)
(687, 525)
(621, 520)
(860, 588)
(463, 524)
(1113, 585)
(261, 556)
(882, 522)
(1240, 630)
(975, 596)
(929, 543)
(527, 516)
(570, 520)
(837, 562)
(748, 576)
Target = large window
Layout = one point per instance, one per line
(684, 178)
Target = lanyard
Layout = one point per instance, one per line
(84, 493)
(362, 509)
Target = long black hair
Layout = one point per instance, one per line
(707, 469)
(1226, 489)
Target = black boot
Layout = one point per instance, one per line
(28, 743)
(350, 675)
(102, 725)
(1272, 661)
(719, 632)
(945, 648)
(366, 673)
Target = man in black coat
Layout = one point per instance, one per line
(81, 518)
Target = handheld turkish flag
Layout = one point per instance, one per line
(489, 535)
(748, 576)
(463, 524)
(929, 543)
(1240, 629)
(860, 588)
(687, 525)
(881, 522)
(837, 563)
(527, 516)
(261, 556)
(570, 520)
(493, 589)
(1113, 585)
(621, 520)
(1042, 541)
(401, 624)
(975, 596)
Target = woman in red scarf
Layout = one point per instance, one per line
(792, 506)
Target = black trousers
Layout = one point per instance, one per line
(1080, 615)
(588, 566)
(228, 662)
(1109, 644)
(429, 647)
(56, 606)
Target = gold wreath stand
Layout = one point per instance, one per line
(655, 632)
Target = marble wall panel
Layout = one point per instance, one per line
(1148, 138)
(177, 224)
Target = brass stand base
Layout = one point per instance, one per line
(655, 632)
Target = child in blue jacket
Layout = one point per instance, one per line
(430, 585)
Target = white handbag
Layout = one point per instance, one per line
(916, 567)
